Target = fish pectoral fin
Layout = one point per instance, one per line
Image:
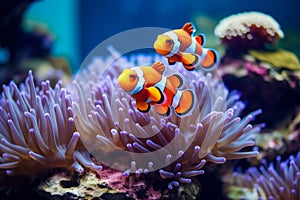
(155, 95)
(162, 110)
(171, 62)
(186, 103)
(210, 60)
(176, 80)
(159, 67)
(189, 60)
(200, 39)
(188, 27)
(142, 106)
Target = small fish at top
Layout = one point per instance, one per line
(181, 46)
(149, 87)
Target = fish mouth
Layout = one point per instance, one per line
(161, 49)
(124, 86)
(123, 83)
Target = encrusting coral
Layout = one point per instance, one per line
(108, 121)
(279, 58)
(111, 184)
(37, 130)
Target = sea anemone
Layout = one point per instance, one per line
(177, 147)
(271, 181)
(37, 130)
(248, 30)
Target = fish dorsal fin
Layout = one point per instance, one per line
(159, 67)
(188, 27)
(200, 39)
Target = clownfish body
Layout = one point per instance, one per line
(180, 46)
(149, 87)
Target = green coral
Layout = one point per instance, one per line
(237, 193)
(279, 58)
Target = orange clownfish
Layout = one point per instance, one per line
(180, 46)
(149, 86)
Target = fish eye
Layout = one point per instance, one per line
(169, 41)
(132, 76)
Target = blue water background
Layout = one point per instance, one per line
(80, 25)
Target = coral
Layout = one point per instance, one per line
(268, 78)
(111, 184)
(109, 122)
(37, 130)
(272, 72)
(271, 181)
(92, 186)
(284, 140)
(259, 82)
(248, 30)
(279, 58)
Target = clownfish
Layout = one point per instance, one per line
(180, 46)
(148, 86)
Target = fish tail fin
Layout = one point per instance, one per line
(176, 80)
(189, 61)
(171, 62)
(186, 103)
(210, 60)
